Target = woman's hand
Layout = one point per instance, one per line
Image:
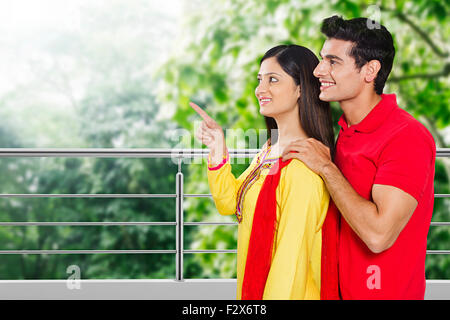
(210, 133)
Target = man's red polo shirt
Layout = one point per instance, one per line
(387, 147)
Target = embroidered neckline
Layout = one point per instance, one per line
(261, 164)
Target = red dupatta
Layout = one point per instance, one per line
(329, 262)
(259, 255)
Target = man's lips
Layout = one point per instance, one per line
(326, 84)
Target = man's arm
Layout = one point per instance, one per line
(377, 223)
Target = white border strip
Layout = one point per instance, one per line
(193, 289)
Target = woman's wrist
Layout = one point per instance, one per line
(214, 162)
(216, 155)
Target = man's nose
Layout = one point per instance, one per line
(320, 69)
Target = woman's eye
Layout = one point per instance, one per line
(272, 79)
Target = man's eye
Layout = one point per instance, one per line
(332, 62)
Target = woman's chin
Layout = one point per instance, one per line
(265, 112)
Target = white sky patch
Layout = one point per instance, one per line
(22, 15)
(26, 24)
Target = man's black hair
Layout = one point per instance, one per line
(372, 41)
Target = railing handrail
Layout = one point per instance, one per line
(119, 152)
(137, 152)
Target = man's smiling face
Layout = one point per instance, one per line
(339, 77)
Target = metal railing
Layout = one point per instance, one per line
(177, 155)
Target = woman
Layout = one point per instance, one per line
(280, 206)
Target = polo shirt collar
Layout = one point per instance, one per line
(375, 117)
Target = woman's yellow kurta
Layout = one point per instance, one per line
(302, 202)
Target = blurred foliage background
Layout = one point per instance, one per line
(120, 74)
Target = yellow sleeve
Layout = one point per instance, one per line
(224, 187)
(302, 201)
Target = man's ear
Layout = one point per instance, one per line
(372, 69)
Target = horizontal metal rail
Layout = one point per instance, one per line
(212, 251)
(106, 223)
(49, 252)
(438, 251)
(99, 195)
(211, 223)
(440, 224)
(6, 252)
(119, 153)
(136, 153)
(84, 224)
(442, 152)
(120, 195)
(85, 251)
(85, 195)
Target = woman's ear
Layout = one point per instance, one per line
(372, 69)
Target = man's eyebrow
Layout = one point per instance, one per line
(330, 56)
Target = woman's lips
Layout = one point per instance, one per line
(264, 101)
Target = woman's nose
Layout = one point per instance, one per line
(261, 88)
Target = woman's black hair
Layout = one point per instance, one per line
(314, 115)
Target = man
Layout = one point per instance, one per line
(382, 178)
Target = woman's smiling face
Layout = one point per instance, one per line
(277, 91)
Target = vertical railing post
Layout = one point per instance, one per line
(180, 223)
